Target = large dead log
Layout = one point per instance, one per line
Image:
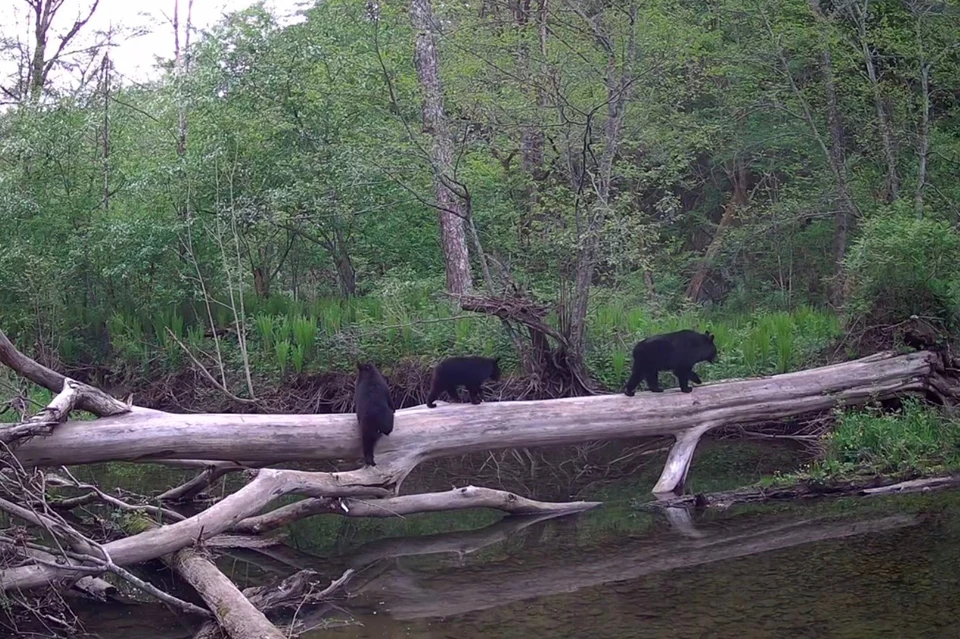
(422, 433)
(238, 617)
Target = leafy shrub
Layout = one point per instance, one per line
(903, 265)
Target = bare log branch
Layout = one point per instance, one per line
(99, 495)
(295, 591)
(190, 489)
(267, 486)
(90, 399)
(456, 499)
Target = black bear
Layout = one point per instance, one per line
(677, 352)
(454, 372)
(374, 408)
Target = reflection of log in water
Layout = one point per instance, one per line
(408, 595)
(452, 590)
(457, 543)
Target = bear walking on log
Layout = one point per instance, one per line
(454, 372)
(677, 352)
(374, 408)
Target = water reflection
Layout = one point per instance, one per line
(843, 569)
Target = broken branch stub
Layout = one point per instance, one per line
(88, 398)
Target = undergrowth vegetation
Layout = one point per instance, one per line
(915, 439)
(286, 337)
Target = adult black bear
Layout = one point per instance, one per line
(454, 372)
(374, 408)
(677, 352)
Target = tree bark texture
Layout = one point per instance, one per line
(450, 207)
(618, 79)
(924, 151)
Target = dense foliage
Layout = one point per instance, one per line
(770, 154)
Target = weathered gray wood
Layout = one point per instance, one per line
(91, 399)
(456, 499)
(421, 433)
(238, 617)
(678, 461)
(268, 485)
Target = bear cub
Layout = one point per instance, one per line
(374, 408)
(677, 352)
(470, 372)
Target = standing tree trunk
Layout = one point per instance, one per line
(181, 66)
(450, 205)
(346, 274)
(261, 282)
(846, 208)
(924, 149)
(532, 135)
(44, 13)
(105, 158)
(860, 15)
(618, 78)
(738, 199)
(450, 208)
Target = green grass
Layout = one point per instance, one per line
(407, 320)
(917, 439)
(764, 343)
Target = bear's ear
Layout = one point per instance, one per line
(359, 365)
(496, 360)
(709, 335)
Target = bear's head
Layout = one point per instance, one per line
(708, 349)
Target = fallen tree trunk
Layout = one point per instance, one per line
(870, 486)
(238, 617)
(422, 433)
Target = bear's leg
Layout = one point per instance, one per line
(636, 376)
(653, 381)
(435, 390)
(683, 376)
(475, 396)
(368, 440)
(695, 378)
(453, 390)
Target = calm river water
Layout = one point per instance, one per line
(869, 567)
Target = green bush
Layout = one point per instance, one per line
(903, 265)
